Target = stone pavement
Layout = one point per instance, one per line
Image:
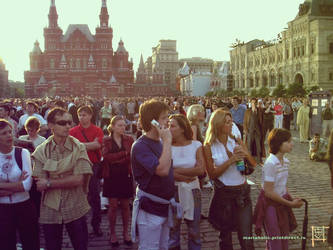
(307, 179)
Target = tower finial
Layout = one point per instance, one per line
(104, 16)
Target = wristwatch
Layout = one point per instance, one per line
(48, 183)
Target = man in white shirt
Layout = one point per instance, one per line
(130, 109)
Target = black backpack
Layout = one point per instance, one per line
(35, 195)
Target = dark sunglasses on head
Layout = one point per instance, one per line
(63, 122)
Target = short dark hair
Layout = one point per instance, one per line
(316, 134)
(4, 123)
(5, 107)
(184, 123)
(33, 104)
(55, 112)
(254, 99)
(150, 110)
(86, 109)
(276, 138)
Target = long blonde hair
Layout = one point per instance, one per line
(214, 127)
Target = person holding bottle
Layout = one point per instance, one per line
(231, 207)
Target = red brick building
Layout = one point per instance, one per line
(78, 62)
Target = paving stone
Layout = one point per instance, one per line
(309, 180)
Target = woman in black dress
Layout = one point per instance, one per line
(118, 181)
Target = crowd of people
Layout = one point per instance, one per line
(58, 156)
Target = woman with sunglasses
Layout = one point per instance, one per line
(17, 211)
(117, 174)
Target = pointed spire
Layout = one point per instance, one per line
(104, 15)
(121, 47)
(141, 68)
(36, 49)
(53, 15)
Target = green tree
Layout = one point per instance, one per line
(279, 91)
(311, 89)
(296, 89)
(263, 92)
(254, 93)
(209, 94)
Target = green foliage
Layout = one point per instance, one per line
(279, 91)
(210, 94)
(263, 92)
(254, 93)
(296, 89)
(311, 89)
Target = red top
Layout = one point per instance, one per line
(278, 109)
(91, 133)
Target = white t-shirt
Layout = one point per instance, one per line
(185, 157)
(36, 142)
(10, 172)
(231, 177)
(131, 107)
(25, 117)
(274, 171)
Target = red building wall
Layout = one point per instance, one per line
(78, 62)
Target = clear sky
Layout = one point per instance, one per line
(202, 28)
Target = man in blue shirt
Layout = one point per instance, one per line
(152, 170)
(237, 112)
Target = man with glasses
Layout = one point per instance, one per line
(62, 171)
(91, 136)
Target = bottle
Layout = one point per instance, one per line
(240, 165)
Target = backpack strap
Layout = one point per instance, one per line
(18, 157)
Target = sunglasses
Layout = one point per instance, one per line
(63, 122)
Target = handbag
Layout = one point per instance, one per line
(97, 167)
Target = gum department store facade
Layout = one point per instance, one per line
(303, 53)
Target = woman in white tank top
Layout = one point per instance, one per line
(188, 164)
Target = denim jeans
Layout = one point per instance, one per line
(94, 199)
(77, 231)
(193, 226)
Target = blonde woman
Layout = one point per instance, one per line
(231, 208)
(196, 116)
